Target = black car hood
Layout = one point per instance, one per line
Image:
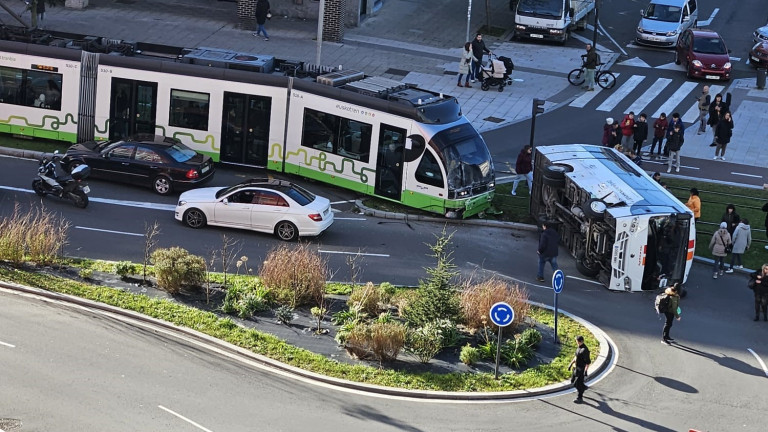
(87, 147)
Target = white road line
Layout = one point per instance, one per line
(759, 360)
(146, 205)
(585, 280)
(602, 29)
(746, 175)
(109, 231)
(7, 344)
(619, 94)
(675, 99)
(343, 202)
(348, 219)
(709, 21)
(353, 253)
(692, 114)
(640, 103)
(184, 418)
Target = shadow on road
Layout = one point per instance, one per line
(724, 361)
(369, 413)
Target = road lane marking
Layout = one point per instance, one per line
(343, 202)
(620, 93)
(353, 253)
(746, 175)
(184, 418)
(649, 95)
(145, 205)
(585, 280)
(349, 219)
(759, 360)
(587, 96)
(602, 29)
(709, 21)
(109, 231)
(692, 114)
(7, 344)
(675, 99)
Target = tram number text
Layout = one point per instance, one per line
(105, 70)
(298, 95)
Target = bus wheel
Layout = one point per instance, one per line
(553, 182)
(595, 209)
(586, 268)
(557, 171)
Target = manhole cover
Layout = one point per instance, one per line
(8, 424)
(494, 119)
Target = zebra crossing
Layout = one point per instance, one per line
(653, 96)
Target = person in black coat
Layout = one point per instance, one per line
(717, 110)
(640, 134)
(548, 249)
(262, 13)
(478, 49)
(731, 218)
(758, 282)
(723, 133)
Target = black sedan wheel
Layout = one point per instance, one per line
(162, 185)
(194, 218)
(286, 231)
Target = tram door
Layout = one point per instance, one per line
(133, 106)
(245, 129)
(389, 163)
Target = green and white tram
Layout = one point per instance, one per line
(372, 135)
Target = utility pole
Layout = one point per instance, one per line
(536, 108)
(594, 34)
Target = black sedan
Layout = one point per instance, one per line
(163, 163)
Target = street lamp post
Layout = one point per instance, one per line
(320, 14)
(594, 33)
(469, 18)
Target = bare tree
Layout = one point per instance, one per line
(230, 249)
(150, 241)
(355, 264)
(210, 267)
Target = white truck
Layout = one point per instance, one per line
(549, 19)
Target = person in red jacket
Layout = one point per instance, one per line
(659, 130)
(524, 169)
(628, 130)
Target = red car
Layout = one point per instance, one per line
(704, 55)
(758, 55)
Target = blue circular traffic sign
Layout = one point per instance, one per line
(558, 281)
(502, 314)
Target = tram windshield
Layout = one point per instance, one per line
(466, 157)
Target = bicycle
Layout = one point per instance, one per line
(604, 78)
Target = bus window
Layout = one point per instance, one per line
(429, 172)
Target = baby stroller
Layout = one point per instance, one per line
(497, 74)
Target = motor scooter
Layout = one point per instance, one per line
(51, 181)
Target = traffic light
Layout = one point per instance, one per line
(538, 107)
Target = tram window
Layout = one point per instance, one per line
(31, 88)
(189, 109)
(339, 135)
(355, 139)
(429, 172)
(320, 130)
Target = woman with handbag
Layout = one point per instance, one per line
(262, 15)
(720, 245)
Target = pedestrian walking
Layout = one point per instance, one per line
(548, 249)
(717, 109)
(694, 203)
(590, 60)
(742, 240)
(723, 133)
(675, 141)
(465, 65)
(674, 121)
(582, 361)
(640, 134)
(671, 313)
(627, 130)
(703, 101)
(478, 50)
(524, 169)
(263, 13)
(607, 128)
(731, 218)
(758, 282)
(40, 14)
(721, 240)
(659, 131)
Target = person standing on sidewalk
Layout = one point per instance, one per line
(478, 50)
(659, 130)
(590, 60)
(582, 361)
(548, 249)
(703, 101)
(673, 305)
(607, 128)
(723, 133)
(640, 134)
(694, 203)
(718, 245)
(262, 13)
(742, 240)
(627, 130)
(758, 282)
(524, 169)
(717, 109)
(674, 144)
(465, 64)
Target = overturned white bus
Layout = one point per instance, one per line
(620, 225)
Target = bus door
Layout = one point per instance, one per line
(245, 129)
(132, 108)
(389, 163)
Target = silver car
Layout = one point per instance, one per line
(760, 35)
(664, 20)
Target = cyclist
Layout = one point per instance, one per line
(590, 60)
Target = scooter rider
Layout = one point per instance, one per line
(51, 171)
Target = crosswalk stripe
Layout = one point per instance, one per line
(639, 105)
(692, 114)
(586, 97)
(675, 99)
(619, 94)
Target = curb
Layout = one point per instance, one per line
(21, 153)
(131, 317)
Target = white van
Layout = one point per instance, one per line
(664, 20)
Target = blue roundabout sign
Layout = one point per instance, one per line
(502, 314)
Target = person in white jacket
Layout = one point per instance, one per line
(742, 240)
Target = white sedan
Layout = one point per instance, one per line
(270, 206)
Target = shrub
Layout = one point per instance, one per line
(476, 300)
(295, 276)
(402, 299)
(450, 334)
(385, 317)
(515, 353)
(86, 273)
(343, 317)
(250, 303)
(425, 342)
(284, 314)
(38, 234)
(387, 291)
(232, 297)
(469, 355)
(530, 337)
(381, 341)
(365, 298)
(125, 269)
(175, 267)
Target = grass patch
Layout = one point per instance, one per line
(266, 344)
(35, 144)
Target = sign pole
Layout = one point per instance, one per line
(498, 354)
(556, 341)
(502, 315)
(558, 282)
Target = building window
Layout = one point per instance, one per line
(189, 109)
